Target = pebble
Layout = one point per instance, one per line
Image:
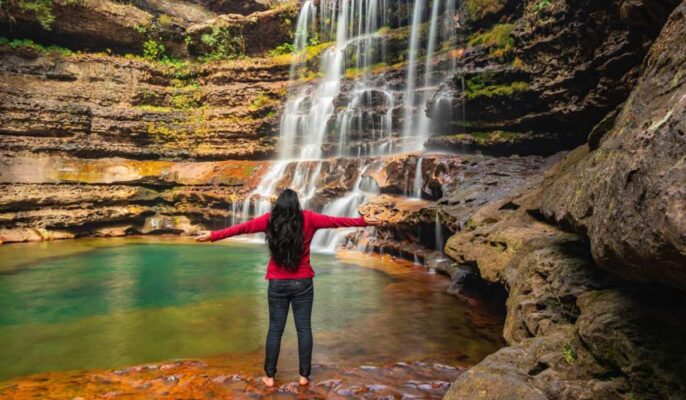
(329, 383)
(219, 379)
(441, 385)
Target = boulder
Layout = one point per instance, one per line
(628, 195)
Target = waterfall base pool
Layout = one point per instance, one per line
(111, 303)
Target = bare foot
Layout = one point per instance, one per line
(304, 381)
(269, 382)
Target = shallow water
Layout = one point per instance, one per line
(96, 303)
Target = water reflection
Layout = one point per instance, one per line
(143, 300)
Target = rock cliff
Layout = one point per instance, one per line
(594, 312)
(138, 137)
(536, 76)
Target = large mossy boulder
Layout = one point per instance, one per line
(629, 195)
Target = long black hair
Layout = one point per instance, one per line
(285, 230)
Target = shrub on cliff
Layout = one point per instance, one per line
(42, 9)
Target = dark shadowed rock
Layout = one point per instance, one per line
(547, 68)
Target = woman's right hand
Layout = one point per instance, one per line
(204, 236)
(371, 221)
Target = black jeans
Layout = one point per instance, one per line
(281, 294)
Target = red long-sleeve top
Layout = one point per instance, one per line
(311, 223)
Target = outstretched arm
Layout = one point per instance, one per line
(322, 221)
(254, 225)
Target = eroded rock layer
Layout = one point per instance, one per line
(537, 76)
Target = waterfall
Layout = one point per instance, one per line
(422, 118)
(349, 110)
(418, 181)
(326, 241)
(410, 79)
(439, 233)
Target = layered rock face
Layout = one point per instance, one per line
(98, 106)
(536, 76)
(106, 144)
(582, 323)
(574, 331)
(124, 27)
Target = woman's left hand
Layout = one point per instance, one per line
(204, 236)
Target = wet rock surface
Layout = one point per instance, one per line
(206, 379)
(452, 189)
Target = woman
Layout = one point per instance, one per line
(289, 232)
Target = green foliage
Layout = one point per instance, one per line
(314, 39)
(153, 49)
(540, 5)
(29, 44)
(494, 136)
(286, 48)
(569, 354)
(148, 97)
(498, 40)
(42, 9)
(223, 43)
(485, 85)
(262, 100)
(187, 98)
(481, 8)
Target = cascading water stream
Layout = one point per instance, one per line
(418, 181)
(326, 241)
(350, 103)
(439, 234)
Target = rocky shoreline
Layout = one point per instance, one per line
(198, 379)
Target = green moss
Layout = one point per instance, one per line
(494, 136)
(518, 63)
(29, 44)
(147, 107)
(352, 73)
(481, 8)
(187, 98)
(498, 40)
(485, 85)
(568, 353)
(261, 102)
(487, 138)
(540, 5)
